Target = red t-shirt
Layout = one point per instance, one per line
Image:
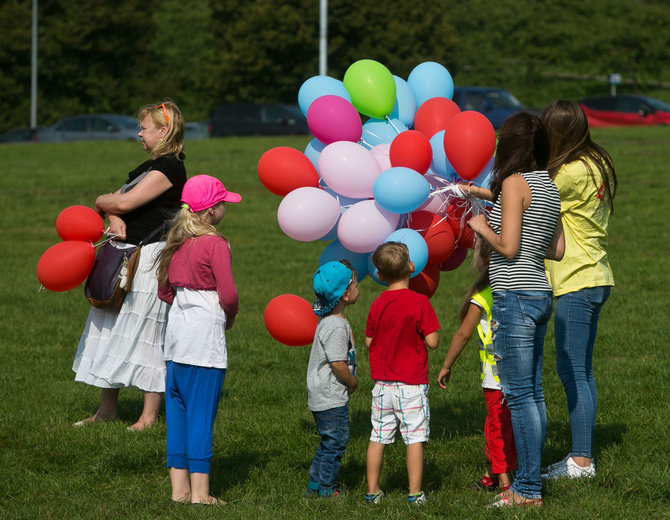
(397, 323)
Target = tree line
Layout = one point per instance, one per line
(114, 56)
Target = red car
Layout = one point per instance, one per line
(625, 110)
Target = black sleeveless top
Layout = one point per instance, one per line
(142, 221)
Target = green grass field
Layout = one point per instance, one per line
(264, 437)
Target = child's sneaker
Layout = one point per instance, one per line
(310, 493)
(417, 499)
(486, 483)
(329, 494)
(374, 498)
(570, 470)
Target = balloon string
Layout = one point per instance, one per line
(110, 236)
(363, 142)
(389, 121)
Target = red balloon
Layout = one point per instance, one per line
(464, 236)
(455, 260)
(426, 281)
(469, 143)
(283, 169)
(79, 223)
(434, 115)
(290, 320)
(65, 265)
(411, 149)
(437, 233)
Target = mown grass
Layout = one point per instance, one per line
(264, 435)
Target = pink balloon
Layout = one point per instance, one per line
(382, 155)
(332, 118)
(349, 169)
(365, 225)
(469, 143)
(307, 214)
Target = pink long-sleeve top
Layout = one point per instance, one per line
(203, 263)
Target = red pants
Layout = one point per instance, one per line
(500, 448)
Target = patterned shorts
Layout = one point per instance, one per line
(400, 406)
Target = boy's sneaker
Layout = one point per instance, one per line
(374, 498)
(417, 499)
(310, 493)
(329, 494)
(569, 470)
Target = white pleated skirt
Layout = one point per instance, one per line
(123, 349)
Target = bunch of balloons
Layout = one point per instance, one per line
(393, 177)
(65, 265)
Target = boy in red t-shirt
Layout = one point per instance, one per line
(401, 325)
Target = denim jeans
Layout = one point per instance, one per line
(519, 325)
(576, 324)
(333, 427)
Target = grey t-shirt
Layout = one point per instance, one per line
(333, 341)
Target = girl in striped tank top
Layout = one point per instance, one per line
(525, 229)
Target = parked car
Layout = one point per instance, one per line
(257, 119)
(196, 130)
(497, 104)
(625, 110)
(18, 135)
(91, 127)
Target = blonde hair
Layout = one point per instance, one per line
(172, 142)
(185, 226)
(392, 261)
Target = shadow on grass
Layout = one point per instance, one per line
(559, 439)
(229, 472)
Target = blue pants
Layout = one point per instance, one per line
(576, 324)
(191, 400)
(333, 427)
(519, 325)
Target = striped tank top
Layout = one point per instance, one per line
(525, 272)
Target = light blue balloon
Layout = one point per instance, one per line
(404, 107)
(400, 190)
(429, 80)
(335, 252)
(318, 86)
(418, 249)
(376, 131)
(440, 165)
(313, 150)
(484, 179)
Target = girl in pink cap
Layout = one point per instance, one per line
(195, 278)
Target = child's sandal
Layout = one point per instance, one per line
(486, 483)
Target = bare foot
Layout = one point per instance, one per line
(211, 501)
(185, 499)
(93, 419)
(141, 425)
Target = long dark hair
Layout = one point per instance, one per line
(523, 146)
(481, 261)
(570, 140)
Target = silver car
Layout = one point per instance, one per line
(90, 127)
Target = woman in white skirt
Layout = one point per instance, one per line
(125, 348)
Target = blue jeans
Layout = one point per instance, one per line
(333, 427)
(576, 324)
(519, 324)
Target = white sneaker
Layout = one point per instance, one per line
(570, 469)
(418, 499)
(559, 464)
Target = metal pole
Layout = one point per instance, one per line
(33, 72)
(323, 37)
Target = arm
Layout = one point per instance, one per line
(432, 340)
(220, 263)
(368, 341)
(476, 191)
(556, 248)
(458, 342)
(152, 186)
(342, 372)
(515, 193)
(117, 226)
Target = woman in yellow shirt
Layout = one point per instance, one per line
(584, 175)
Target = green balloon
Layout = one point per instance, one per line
(371, 88)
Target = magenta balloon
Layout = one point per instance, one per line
(307, 213)
(365, 225)
(332, 118)
(349, 169)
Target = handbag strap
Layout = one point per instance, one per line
(152, 234)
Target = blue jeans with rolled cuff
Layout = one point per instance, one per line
(575, 326)
(333, 427)
(519, 325)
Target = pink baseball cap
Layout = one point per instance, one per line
(204, 191)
